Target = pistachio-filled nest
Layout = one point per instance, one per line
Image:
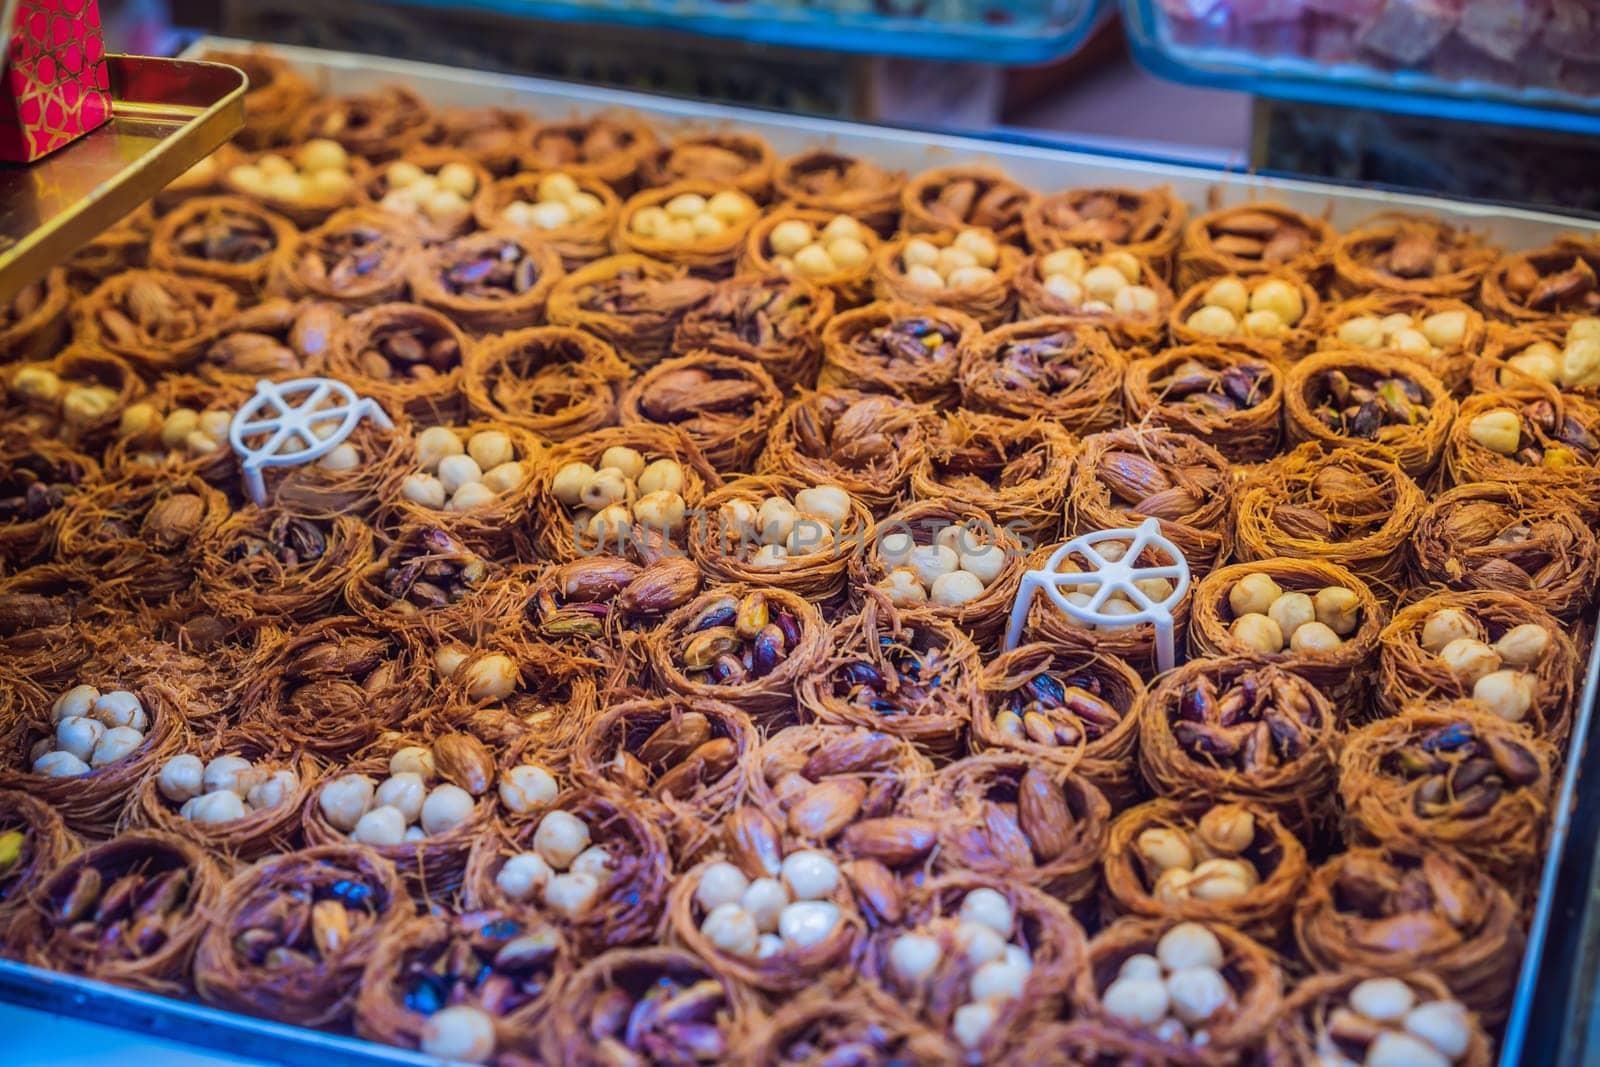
(769, 319)
(1448, 775)
(408, 357)
(1556, 283)
(487, 282)
(698, 224)
(1507, 654)
(38, 482)
(276, 339)
(1252, 238)
(1122, 294)
(961, 196)
(1490, 536)
(1013, 470)
(903, 673)
(687, 759)
(1380, 405)
(553, 381)
(865, 1024)
(33, 843)
(734, 158)
(1273, 315)
(429, 579)
(1124, 476)
(1399, 253)
(1444, 335)
(77, 397)
(127, 911)
(1339, 506)
(610, 146)
(34, 322)
(290, 935)
(827, 249)
(584, 604)
(268, 562)
(226, 238)
(910, 350)
(1542, 441)
(1221, 862)
(746, 645)
(1241, 1007)
(979, 282)
(156, 320)
(1230, 400)
(1001, 815)
(923, 961)
(732, 544)
(1415, 1011)
(358, 258)
(1339, 601)
(579, 237)
(628, 901)
(1401, 907)
(1064, 708)
(1233, 726)
(140, 536)
(1052, 367)
(621, 984)
(630, 301)
(724, 404)
(1147, 223)
(377, 126)
(822, 179)
(864, 443)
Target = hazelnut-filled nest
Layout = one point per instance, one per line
(1118, 292)
(1337, 654)
(177, 430)
(482, 965)
(276, 339)
(622, 904)
(610, 146)
(290, 935)
(1231, 992)
(745, 645)
(1229, 400)
(1492, 647)
(1379, 405)
(553, 381)
(1399, 253)
(128, 911)
(1252, 238)
(866, 1027)
(1013, 470)
(1544, 442)
(1348, 1011)
(723, 404)
(829, 250)
(864, 443)
(904, 673)
(45, 616)
(474, 481)
(686, 759)
(630, 301)
(591, 1030)
(487, 282)
(1563, 355)
(78, 397)
(1053, 367)
(304, 186)
(574, 216)
(1552, 284)
(358, 258)
(38, 483)
(269, 562)
(1233, 726)
(1125, 476)
(927, 960)
(378, 126)
(769, 319)
(910, 350)
(960, 196)
(698, 224)
(1003, 816)
(408, 357)
(1447, 775)
(826, 527)
(965, 270)
(1444, 335)
(1064, 708)
(1217, 862)
(33, 842)
(1147, 223)
(1273, 315)
(429, 189)
(226, 238)
(1401, 907)
(34, 322)
(1501, 537)
(140, 537)
(1340, 507)
(155, 320)
(734, 158)
(822, 179)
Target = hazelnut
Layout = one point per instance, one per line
(1447, 625)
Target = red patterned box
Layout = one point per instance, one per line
(54, 89)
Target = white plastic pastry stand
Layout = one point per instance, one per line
(288, 414)
(1110, 576)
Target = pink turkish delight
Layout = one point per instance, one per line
(1502, 28)
(1407, 31)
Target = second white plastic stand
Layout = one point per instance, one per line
(288, 410)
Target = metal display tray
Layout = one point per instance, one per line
(1044, 168)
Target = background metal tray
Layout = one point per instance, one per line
(1041, 168)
